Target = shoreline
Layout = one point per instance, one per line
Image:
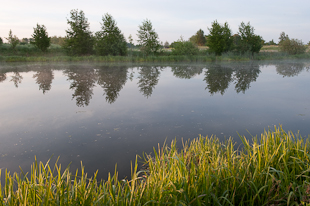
(155, 59)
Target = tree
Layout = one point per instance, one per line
(110, 40)
(1, 41)
(13, 40)
(130, 43)
(249, 41)
(292, 46)
(148, 38)
(283, 37)
(79, 39)
(182, 47)
(166, 45)
(41, 39)
(199, 38)
(219, 39)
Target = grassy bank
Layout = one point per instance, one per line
(29, 53)
(162, 58)
(271, 170)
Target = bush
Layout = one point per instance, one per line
(184, 48)
(292, 46)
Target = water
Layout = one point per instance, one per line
(104, 115)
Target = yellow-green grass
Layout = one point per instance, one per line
(270, 170)
(272, 48)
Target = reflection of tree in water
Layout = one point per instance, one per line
(218, 79)
(2, 77)
(186, 72)
(112, 80)
(148, 79)
(16, 79)
(83, 80)
(244, 76)
(290, 69)
(44, 79)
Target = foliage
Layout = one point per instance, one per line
(182, 47)
(41, 39)
(199, 38)
(79, 39)
(130, 41)
(1, 41)
(283, 37)
(270, 170)
(292, 46)
(148, 38)
(12, 40)
(271, 43)
(249, 41)
(219, 39)
(58, 40)
(110, 40)
(166, 45)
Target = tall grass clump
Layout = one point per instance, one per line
(270, 170)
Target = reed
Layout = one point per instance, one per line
(270, 170)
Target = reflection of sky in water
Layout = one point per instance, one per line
(148, 106)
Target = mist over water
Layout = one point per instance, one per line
(104, 115)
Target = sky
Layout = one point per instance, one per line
(170, 18)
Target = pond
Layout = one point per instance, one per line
(105, 115)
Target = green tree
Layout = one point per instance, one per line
(1, 41)
(283, 37)
(249, 41)
(130, 43)
(182, 47)
(148, 38)
(79, 39)
(110, 40)
(292, 46)
(166, 45)
(219, 39)
(199, 38)
(271, 42)
(41, 39)
(13, 40)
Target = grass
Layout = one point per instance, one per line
(29, 53)
(274, 48)
(271, 170)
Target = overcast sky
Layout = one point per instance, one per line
(170, 18)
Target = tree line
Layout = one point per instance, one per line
(79, 40)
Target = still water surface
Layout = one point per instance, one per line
(104, 115)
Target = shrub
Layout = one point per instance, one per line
(182, 47)
(292, 46)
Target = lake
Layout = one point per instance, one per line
(106, 114)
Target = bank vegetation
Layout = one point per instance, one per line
(272, 169)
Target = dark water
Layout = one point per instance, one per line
(106, 114)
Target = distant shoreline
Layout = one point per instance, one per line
(156, 59)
